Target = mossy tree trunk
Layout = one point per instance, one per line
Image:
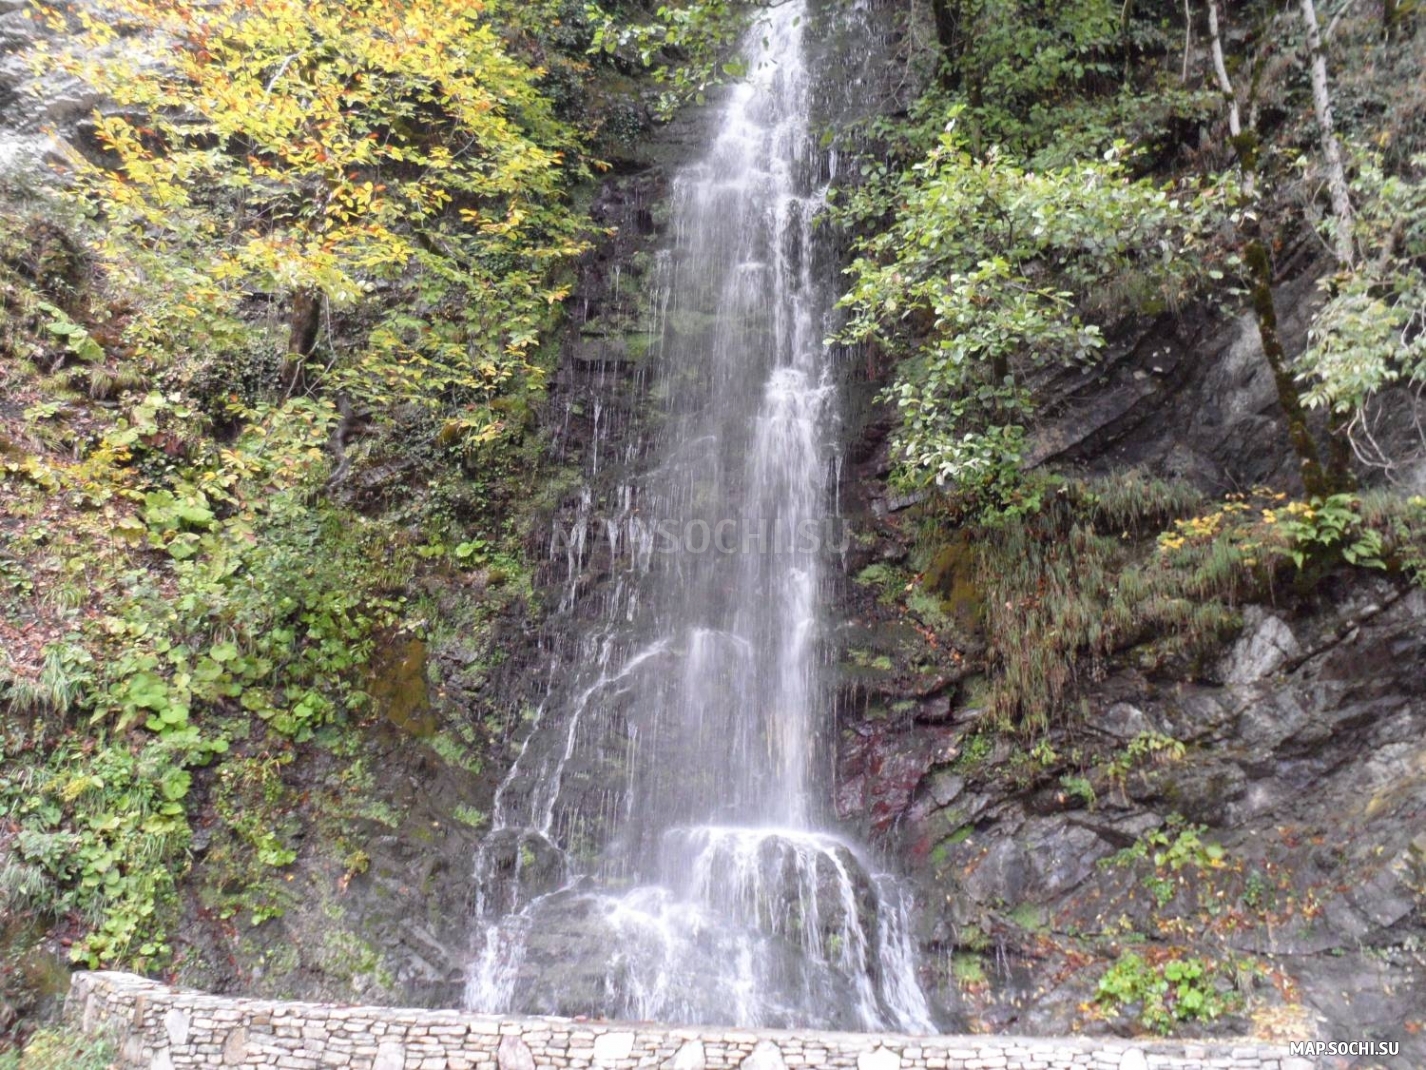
(1314, 478)
(1317, 480)
(304, 323)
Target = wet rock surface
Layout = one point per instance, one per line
(1298, 752)
(1188, 396)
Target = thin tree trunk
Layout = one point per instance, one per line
(1340, 476)
(1187, 39)
(1220, 68)
(1128, 44)
(1344, 246)
(975, 98)
(1244, 144)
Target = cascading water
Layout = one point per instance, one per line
(655, 851)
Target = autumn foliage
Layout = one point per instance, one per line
(311, 155)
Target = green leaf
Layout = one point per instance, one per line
(148, 691)
(175, 784)
(222, 652)
(255, 700)
(469, 549)
(182, 547)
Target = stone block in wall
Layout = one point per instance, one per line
(514, 1054)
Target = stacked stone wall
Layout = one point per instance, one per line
(161, 1028)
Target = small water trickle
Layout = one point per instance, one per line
(660, 847)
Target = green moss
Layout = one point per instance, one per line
(278, 959)
(469, 815)
(967, 968)
(876, 575)
(959, 836)
(398, 686)
(1029, 916)
(353, 961)
(867, 659)
(973, 938)
(638, 343)
(953, 577)
(888, 580)
(928, 608)
(975, 751)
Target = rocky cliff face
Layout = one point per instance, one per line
(33, 106)
(1296, 749)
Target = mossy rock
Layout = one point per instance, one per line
(691, 322)
(968, 968)
(398, 686)
(638, 343)
(952, 577)
(1030, 916)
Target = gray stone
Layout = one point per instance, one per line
(1266, 646)
(1123, 721)
(235, 1047)
(390, 1055)
(611, 1047)
(946, 786)
(689, 1057)
(1133, 1059)
(132, 1049)
(880, 1059)
(514, 1054)
(765, 1056)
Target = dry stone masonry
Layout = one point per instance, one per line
(161, 1028)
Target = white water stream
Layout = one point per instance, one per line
(659, 848)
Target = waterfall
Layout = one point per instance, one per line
(659, 848)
